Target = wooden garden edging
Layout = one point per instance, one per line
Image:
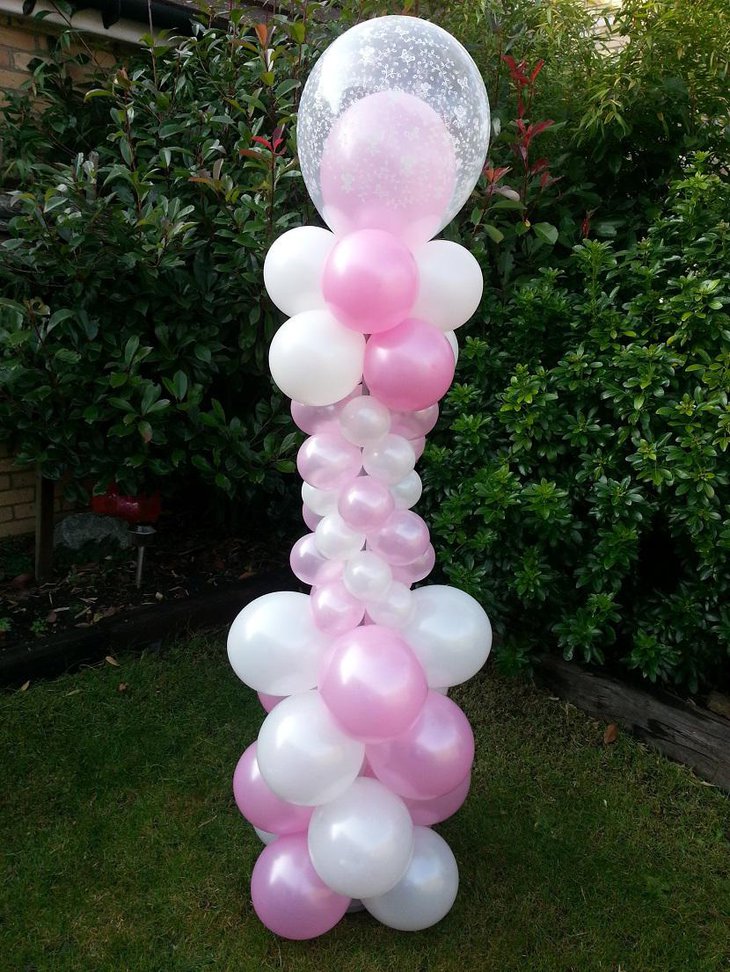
(680, 730)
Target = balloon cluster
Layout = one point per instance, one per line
(362, 751)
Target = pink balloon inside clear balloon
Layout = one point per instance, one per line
(365, 503)
(334, 609)
(402, 538)
(388, 164)
(409, 367)
(259, 805)
(326, 460)
(269, 701)
(426, 813)
(289, 896)
(372, 683)
(412, 425)
(370, 281)
(320, 418)
(418, 569)
(431, 757)
(305, 560)
(310, 517)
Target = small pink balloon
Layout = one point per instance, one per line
(269, 701)
(310, 517)
(411, 425)
(305, 560)
(334, 609)
(331, 570)
(409, 367)
(388, 163)
(370, 281)
(326, 460)
(289, 896)
(372, 683)
(365, 503)
(426, 813)
(401, 539)
(431, 757)
(259, 805)
(320, 418)
(419, 444)
(418, 569)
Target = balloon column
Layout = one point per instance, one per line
(362, 751)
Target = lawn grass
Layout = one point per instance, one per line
(122, 849)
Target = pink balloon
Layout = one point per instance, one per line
(259, 805)
(388, 164)
(411, 425)
(372, 683)
(418, 569)
(410, 366)
(331, 570)
(320, 418)
(305, 560)
(288, 895)
(419, 444)
(334, 609)
(431, 757)
(310, 517)
(326, 460)
(402, 538)
(370, 281)
(426, 813)
(365, 503)
(269, 701)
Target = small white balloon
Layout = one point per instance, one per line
(264, 836)
(335, 539)
(407, 492)
(302, 753)
(395, 608)
(315, 360)
(367, 576)
(364, 420)
(361, 842)
(453, 341)
(426, 892)
(293, 269)
(274, 645)
(451, 284)
(390, 459)
(449, 633)
(320, 501)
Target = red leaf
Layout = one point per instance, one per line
(536, 70)
(263, 141)
(611, 734)
(540, 127)
(262, 32)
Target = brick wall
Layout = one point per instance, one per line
(17, 497)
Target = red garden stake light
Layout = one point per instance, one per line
(138, 511)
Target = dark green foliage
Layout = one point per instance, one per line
(580, 487)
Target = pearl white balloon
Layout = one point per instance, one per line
(315, 360)
(335, 539)
(426, 892)
(449, 633)
(302, 753)
(407, 492)
(451, 284)
(293, 269)
(264, 836)
(395, 608)
(391, 459)
(364, 420)
(361, 842)
(453, 341)
(367, 576)
(320, 501)
(274, 645)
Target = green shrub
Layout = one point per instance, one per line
(580, 488)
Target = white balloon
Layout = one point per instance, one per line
(395, 608)
(320, 501)
(391, 459)
(427, 890)
(274, 645)
(361, 842)
(364, 420)
(335, 539)
(303, 755)
(449, 633)
(315, 360)
(367, 576)
(453, 341)
(451, 284)
(293, 269)
(407, 492)
(264, 836)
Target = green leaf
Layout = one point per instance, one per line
(180, 384)
(493, 233)
(546, 232)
